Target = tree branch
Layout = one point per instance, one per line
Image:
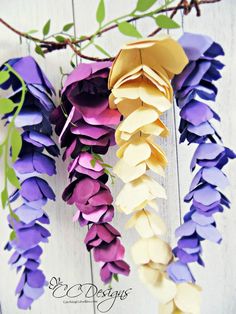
(50, 45)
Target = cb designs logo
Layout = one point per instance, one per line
(104, 298)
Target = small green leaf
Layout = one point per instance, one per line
(164, 21)
(32, 31)
(107, 166)
(85, 148)
(4, 76)
(11, 175)
(46, 28)
(100, 14)
(129, 30)
(12, 235)
(102, 50)
(97, 157)
(39, 51)
(60, 38)
(14, 215)
(67, 27)
(115, 276)
(4, 198)
(72, 64)
(93, 162)
(16, 144)
(6, 105)
(144, 5)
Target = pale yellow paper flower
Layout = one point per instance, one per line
(147, 224)
(187, 297)
(140, 89)
(151, 250)
(137, 150)
(163, 55)
(164, 289)
(145, 120)
(135, 195)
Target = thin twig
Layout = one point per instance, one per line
(187, 7)
(50, 45)
(78, 52)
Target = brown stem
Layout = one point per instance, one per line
(78, 52)
(52, 45)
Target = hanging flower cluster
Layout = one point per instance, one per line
(27, 218)
(193, 88)
(84, 125)
(141, 90)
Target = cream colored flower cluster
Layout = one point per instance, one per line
(140, 89)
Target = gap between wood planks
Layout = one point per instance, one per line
(174, 116)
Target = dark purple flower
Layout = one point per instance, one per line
(84, 123)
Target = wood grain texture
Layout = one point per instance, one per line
(65, 255)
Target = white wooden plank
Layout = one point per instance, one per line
(64, 256)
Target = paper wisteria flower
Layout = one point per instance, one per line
(140, 83)
(194, 88)
(84, 123)
(32, 91)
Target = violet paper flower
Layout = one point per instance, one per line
(84, 123)
(193, 89)
(35, 191)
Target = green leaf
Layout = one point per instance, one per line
(85, 148)
(67, 27)
(11, 175)
(164, 21)
(4, 76)
(93, 162)
(16, 144)
(144, 5)
(32, 31)
(115, 276)
(12, 235)
(39, 51)
(1, 150)
(6, 105)
(4, 197)
(46, 28)
(72, 64)
(102, 50)
(106, 165)
(60, 38)
(97, 157)
(129, 30)
(14, 215)
(100, 14)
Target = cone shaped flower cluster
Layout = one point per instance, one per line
(194, 87)
(141, 91)
(84, 123)
(34, 193)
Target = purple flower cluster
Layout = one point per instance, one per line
(84, 123)
(35, 191)
(193, 88)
